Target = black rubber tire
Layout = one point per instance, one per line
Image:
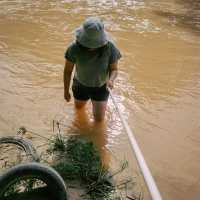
(53, 180)
(24, 143)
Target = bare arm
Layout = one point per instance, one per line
(113, 74)
(66, 78)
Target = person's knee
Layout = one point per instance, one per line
(79, 106)
(99, 109)
(99, 117)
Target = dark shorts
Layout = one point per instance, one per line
(81, 92)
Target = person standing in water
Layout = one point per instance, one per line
(95, 58)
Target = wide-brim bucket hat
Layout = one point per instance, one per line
(92, 34)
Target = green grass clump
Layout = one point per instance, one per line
(82, 163)
(57, 143)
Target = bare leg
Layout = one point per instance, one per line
(79, 104)
(98, 136)
(101, 140)
(99, 109)
(81, 120)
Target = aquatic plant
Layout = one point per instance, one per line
(82, 162)
(57, 143)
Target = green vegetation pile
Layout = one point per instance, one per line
(80, 161)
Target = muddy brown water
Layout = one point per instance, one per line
(158, 87)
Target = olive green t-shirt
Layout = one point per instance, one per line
(92, 67)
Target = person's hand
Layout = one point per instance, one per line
(67, 96)
(110, 84)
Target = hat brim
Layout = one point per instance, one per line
(84, 40)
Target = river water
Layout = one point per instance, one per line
(158, 87)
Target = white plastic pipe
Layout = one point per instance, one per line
(151, 185)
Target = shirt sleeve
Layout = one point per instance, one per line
(70, 53)
(114, 54)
